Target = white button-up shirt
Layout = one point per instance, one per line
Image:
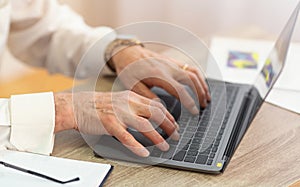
(45, 34)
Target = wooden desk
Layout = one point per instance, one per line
(268, 154)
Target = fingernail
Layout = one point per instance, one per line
(175, 136)
(195, 110)
(173, 119)
(205, 103)
(177, 126)
(157, 100)
(164, 146)
(144, 152)
(208, 96)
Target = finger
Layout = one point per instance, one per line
(116, 129)
(159, 105)
(178, 90)
(158, 115)
(202, 81)
(164, 110)
(146, 128)
(198, 74)
(142, 89)
(192, 81)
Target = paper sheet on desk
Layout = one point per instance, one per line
(287, 99)
(290, 77)
(286, 91)
(90, 174)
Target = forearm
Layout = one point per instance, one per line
(64, 114)
(55, 37)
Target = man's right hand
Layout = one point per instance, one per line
(111, 113)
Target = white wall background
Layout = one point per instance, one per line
(202, 17)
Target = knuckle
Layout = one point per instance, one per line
(194, 70)
(159, 105)
(155, 71)
(144, 125)
(156, 111)
(125, 137)
(193, 77)
(157, 137)
(180, 88)
(190, 103)
(129, 93)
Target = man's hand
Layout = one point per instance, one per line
(112, 113)
(140, 69)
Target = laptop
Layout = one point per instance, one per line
(209, 140)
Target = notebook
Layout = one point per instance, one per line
(90, 174)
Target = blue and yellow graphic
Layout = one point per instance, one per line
(242, 60)
(268, 72)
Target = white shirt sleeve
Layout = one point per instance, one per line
(27, 123)
(46, 34)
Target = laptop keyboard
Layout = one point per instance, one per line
(201, 135)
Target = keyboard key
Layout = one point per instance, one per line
(217, 142)
(185, 140)
(209, 162)
(214, 149)
(169, 153)
(179, 156)
(156, 152)
(184, 119)
(190, 159)
(201, 129)
(191, 129)
(195, 118)
(219, 137)
(183, 147)
(209, 140)
(201, 159)
(172, 142)
(193, 123)
(206, 152)
(212, 155)
(188, 134)
(195, 146)
(214, 128)
(182, 125)
(203, 123)
(221, 132)
(197, 141)
(206, 146)
(192, 153)
(205, 117)
(199, 134)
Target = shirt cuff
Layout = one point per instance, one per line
(4, 112)
(32, 122)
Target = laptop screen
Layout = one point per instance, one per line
(276, 60)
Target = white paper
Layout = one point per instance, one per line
(286, 99)
(290, 77)
(90, 174)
